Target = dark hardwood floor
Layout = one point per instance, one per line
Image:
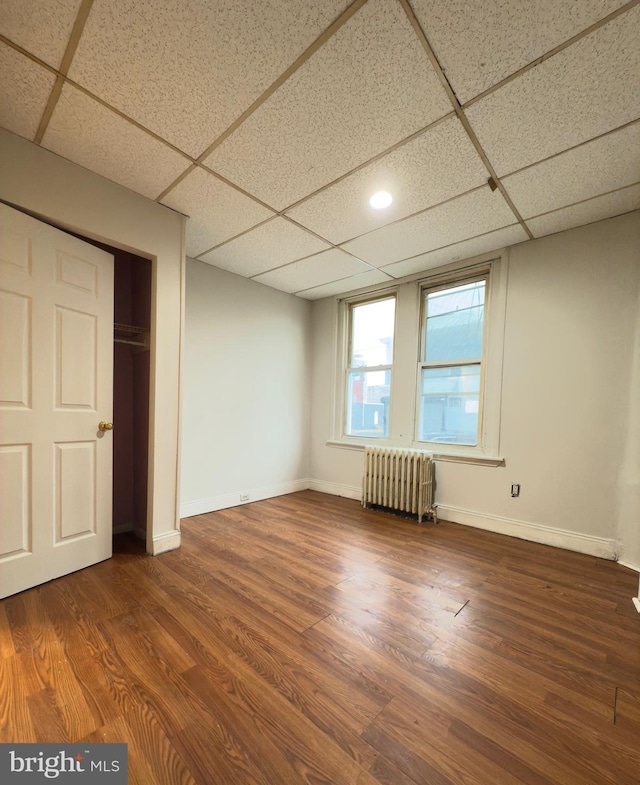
(304, 640)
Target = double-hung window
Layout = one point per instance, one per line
(440, 388)
(371, 327)
(450, 371)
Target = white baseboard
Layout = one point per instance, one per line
(559, 538)
(335, 489)
(168, 541)
(635, 568)
(628, 564)
(200, 506)
(546, 535)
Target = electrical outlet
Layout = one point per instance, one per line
(515, 490)
(244, 497)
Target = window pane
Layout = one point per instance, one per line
(455, 319)
(372, 333)
(449, 405)
(368, 403)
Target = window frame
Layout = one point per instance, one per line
(403, 410)
(347, 369)
(429, 287)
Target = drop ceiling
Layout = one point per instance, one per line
(270, 124)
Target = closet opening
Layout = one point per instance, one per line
(131, 386)
(131, 366)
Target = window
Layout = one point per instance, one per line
(369, 364)
(420, 365)
(450, 369)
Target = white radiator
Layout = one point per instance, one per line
(402, 480)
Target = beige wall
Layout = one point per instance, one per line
(246, 405)
(72, 197)
(569, 399)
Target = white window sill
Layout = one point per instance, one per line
(477, 460)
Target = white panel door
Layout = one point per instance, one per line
(56, 385)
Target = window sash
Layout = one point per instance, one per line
(372, 416)
(450, 410)
(424, 364)
(350, 322)
(347, 409)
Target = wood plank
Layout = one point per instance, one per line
(500, 673)
(15, 719)
(152, 755)
(305, 640)
(230, 644)
(7, 649)
(396, 757)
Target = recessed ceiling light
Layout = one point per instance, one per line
(380, 200)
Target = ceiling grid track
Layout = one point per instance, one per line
(564, 45)
(300, 61)
(343, 242)
(575, 147)
(326, 200)
(62, 77)
(283, 213)
(585, 201)
(74, 39)
(59, 75)
(237, 236)
(461, 115)
(412, 137)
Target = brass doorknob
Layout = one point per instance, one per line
(103, 425)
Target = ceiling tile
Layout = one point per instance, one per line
(480, 44)
(42, 27)
(320, 269)
(267, 246)
(367, 88)
(461, 218)
(439, 164)
(501, 238)
(187, 70)
(216, 211)
(24, 91)
(597, 209)
(371, 278)
(93, 136)
(579, 93)
(597, 167)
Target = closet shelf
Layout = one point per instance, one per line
(129, 328)
(130, 331)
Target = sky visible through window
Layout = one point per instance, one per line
(372, 338)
